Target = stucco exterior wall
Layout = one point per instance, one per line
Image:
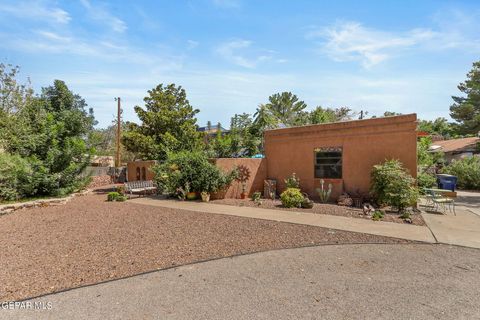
(258, 173)
(365, 143)
(132, 166)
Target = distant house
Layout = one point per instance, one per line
(457, 148)
(212, 130)
(102, 161)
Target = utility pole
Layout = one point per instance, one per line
(118, 161)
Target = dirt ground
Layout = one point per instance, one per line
(321, 208)
(89, 240)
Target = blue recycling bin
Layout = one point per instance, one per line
(447, 182)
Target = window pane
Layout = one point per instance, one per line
(328, 164)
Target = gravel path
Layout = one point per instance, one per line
(89, 240)
(321, 208)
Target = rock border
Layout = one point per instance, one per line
(11, 207)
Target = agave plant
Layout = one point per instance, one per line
(323, 193)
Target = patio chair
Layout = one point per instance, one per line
(436, 201)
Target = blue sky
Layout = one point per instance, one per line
(230, 55)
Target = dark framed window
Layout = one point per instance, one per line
(328, 163)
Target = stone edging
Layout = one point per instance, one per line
(9, 208)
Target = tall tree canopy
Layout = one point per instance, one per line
(439, 126)
(49, 133)
(168, 124)
(283, 109)
(466, 109)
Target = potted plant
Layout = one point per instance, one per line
(205, 196)
(190, 195)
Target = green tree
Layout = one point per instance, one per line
(168, 124)
(51, 132)
(439, 126)
(466, 109)
(326, 115)
(283, 109)
(13, 95)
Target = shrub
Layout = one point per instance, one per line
(192, 171)
(256, 196)
(292, 198)
(467, 171)
(377, 215)
(121, 190)
(392, 185)
(16, 178)
(306, 203)
(426, 180)
(292, 182)
(113, 196)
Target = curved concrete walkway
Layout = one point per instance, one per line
(411, 281)
(388, 229)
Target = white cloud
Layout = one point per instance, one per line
(36, 10)
(101, 14)
(351, 41)
(239, 52)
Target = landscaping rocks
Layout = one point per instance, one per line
(89, 240)
(323, 208)
(9, 208)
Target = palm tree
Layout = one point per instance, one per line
(283, 109)
(286, 108)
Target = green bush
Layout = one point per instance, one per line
(192, 171)
(467, 171)
(392, 185)
(426, 180)
(256, 196)
(292, 198)
(292, 181)
(16, 178)
(377, 215)
(113, 196)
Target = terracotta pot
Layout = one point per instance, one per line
(243, 195)
(191, 195)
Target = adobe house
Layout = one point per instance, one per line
(341, 153)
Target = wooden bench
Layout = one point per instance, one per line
(139, 187)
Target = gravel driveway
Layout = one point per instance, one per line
(90, 240)
(410, 281)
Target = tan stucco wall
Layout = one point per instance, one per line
(258, 173)
(132, 169)
(364, 142)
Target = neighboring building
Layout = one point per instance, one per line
(457, 148)
(140, 170)
(102, 161)
(212, 130)
(341, 153)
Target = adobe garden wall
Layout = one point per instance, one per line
(258, 173)
(135, 170)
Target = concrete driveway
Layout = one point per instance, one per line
(415, 281)
(469, 200)
(461, 229)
